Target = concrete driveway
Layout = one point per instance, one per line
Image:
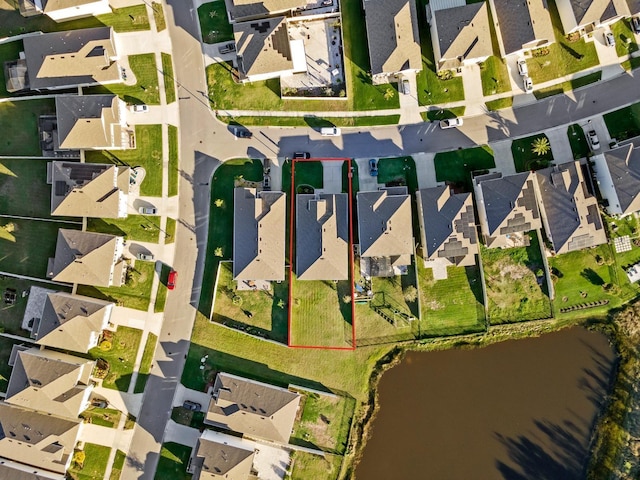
(183, 393)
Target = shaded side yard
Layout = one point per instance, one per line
(457, 166)
(94, 464)
(118, 349)
(19, 126)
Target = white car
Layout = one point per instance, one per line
(592, 138)
(522, 67)
(451, 123)
(147, 210)
(140, 108)
(528, 84)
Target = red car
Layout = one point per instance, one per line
(171, 279)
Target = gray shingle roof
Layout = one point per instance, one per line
(634, 6)
(263, 46)
(240, 10)
(18, 471)
(521, 22)
(214, 460)
(624, 166)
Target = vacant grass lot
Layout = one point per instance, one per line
(313, 121)
(174, 167)
(268, 309)
(95, 463)
(568, 86)
(169, 82)
(147, 154)
(624, 123)
(145, 363)
(19, 126)
(27, 245)
(135, 293)
(214, 23)
(126, 19)
(494, 75)
(513, 291)
(121, 355)
(578, 142)
(146, 89)
(625, 39)
(8, 51)
(457, 166)
(143, 228)
(18, 177)
(525, 159)
(173, 461)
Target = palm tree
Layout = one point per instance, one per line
(389, 94)
(540, 146)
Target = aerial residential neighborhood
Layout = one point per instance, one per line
(223, 222)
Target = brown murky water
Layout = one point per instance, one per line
(517, 410)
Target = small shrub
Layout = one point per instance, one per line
(105, 345)
(445, 74)
(218, 252)
(346, 299)
(79, 458)
(540, 52)
(219, 202)
(237, 300)
(410, 294)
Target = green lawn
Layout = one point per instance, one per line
(624, 123)
(307, 174)
(170, 230)
(525, 159)
(306, 466)
(568, 85)
(146, 89)
(436, 114)
(8, 51)
(214, 23)
(104, 417)
(95, 463)
(513, 291)
(221, 220)
(494, 75)
(324, 423)
(118, 463)
(174, 164)
(119, 349)
(145, 363)
(268, 309)
(143, 228)
(564, 57)
(167, 72)
(456, 167)
(619, 227)
(27, 245)
(625, 39)
(313, 121)
(161, 294)
(578, 142)
(398, 170)
(18, 177)
(499, 103)
(631, 64)
(126, 19)
(147, 154)
(135, 293)
(451, 306)
(19, 126)
(173, 462)
(188, 418)
(158, 16)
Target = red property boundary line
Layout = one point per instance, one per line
(291, 250)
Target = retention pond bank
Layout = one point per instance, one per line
(515, 410)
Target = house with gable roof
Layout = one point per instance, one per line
(585, 16)
(245, 10)
(618, 173)
(64, 10)
(217, 456)
(19, 471)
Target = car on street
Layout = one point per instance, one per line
(140, 108)
(171, 279)
(242, 132)
(522, 67)
(592, 138)
(609, 39)
(148, 210)
(193, 406)
(635, 24)
(227, 48)
(373, 167)
(145, 256)
(301, 155)
(528, 84)
(450, 123)
(406, 89)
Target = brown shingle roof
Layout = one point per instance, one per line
(263, 46)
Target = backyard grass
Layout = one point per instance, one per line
(125, 19)
(145, 363)
(146, 89)
(437, 114)
(214, 23)
(619, 227)
(623, 123)
(313, 121)
(118, 463)
(135, 293)
(499, 103)
(173, 461)
(625, 38)
(457, 166)
(268, 309)
(158, 16)
(170, 231)
(221, 220)
(147, 154)
(19, 126)
(167, 72)
(104, 417)
(174, 164)
(8, 51)
(119, 349)
(578, 142)
(525, 159)
(18, 177)
(494, 76)
(324, 422)
(511, 276)
(307, 465)
(143, 228)
(95, 463)
(27, 245)
(564, 57)
(568, 85)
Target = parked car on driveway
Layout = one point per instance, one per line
(450, 123)
(528, 84)
(373, 167)
(171, 279)
(522, 67)
(592, 138)
(406, 89)
(193, 406)
(148, 210)
(140, 108)
(145, 256)
(609, 39)
(241, 132)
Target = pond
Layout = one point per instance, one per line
(516, 410)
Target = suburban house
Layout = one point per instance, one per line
(252, 408)
(40, 440)
(245, 10)
(393, 38)
(507, 208)
(50, 382)
(19, 471)
(385, 231)
(264, 50)
(219, 456)
(569, 208)
(88, 189)
(521, 25)
(71, 58)
(587, 15)
(447, 229)
(87, 258)
(460, 35)
(634, 6)
(91, 122)
(322, 236)
(618, 173)
(64, 10)
(65, 321)
(258, 234)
